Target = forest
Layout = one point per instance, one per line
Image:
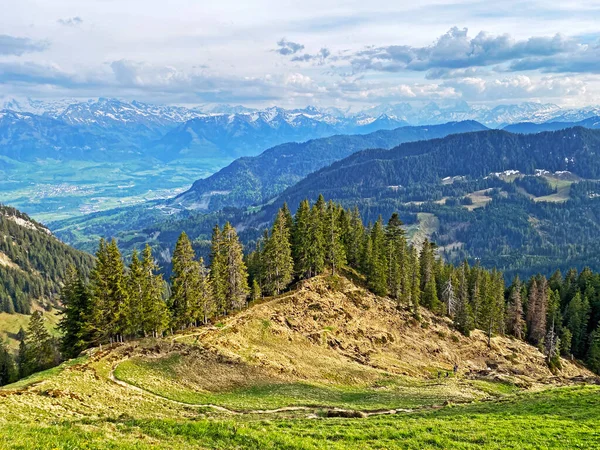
(119, 302)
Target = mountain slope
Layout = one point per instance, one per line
(473, 155)
(530, 127)
(27, 137)
(254, 180)
(33, 262)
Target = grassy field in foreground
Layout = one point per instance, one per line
(558, 418)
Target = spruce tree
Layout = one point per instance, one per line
(515, 321)
(577, 316)
(218, 272)
(236, 273)
(429, 297)
(396, 256)
(185, 283)
(463, 317)
(377, 266)
(301, 240)
(154, 311)
(593, 353)
(315, 239)
(278, 261)
(335, 253)
(77, 315)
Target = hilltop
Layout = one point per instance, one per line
(326, 348)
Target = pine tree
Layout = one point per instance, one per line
(537, 310)
(353, 238)
(236, 273)
(41, 350)
(515, 322)
(185, 283)
(301, 240)
(377, 266)
(396, 258)
(218, 271)
(278, 261)
(577, 316)
(315, 239)
(335, 253)
(463, 318)
(109, 292)
(75, 324)
(429, 297)
(154, 311)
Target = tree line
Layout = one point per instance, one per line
(117, 303)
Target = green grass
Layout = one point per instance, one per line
(163, 377)
(555, 419)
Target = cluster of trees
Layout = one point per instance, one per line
(560, 315)
(536, 185)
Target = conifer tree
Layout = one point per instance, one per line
(185, 283)
(133, 310)
(463, 318)
(41, 350)
(515, 321)
(75, 324)
(278, 261)
(429, 297)
(577, 316)
(154, 311)
(218, 271)
(353, 238)
(377, 266)
(335, 253)
(236, 273)
(396, 257)
(301, 240)
(109, 291)
(315, 239)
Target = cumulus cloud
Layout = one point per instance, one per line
(456, 50)
(71, 21)
(286, 47)
(10, 45)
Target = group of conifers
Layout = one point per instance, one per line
(560, 315)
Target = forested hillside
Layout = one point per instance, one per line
(33, 263)
(255, 180)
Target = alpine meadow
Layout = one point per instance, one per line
(308, 225)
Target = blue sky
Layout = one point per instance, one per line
(289, 53)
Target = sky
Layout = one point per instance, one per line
(346, 54)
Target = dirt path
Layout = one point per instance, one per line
(327, 411)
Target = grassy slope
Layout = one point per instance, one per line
(10, 324)
(265, 357)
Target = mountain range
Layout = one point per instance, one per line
(255, 180)
(105, 127)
